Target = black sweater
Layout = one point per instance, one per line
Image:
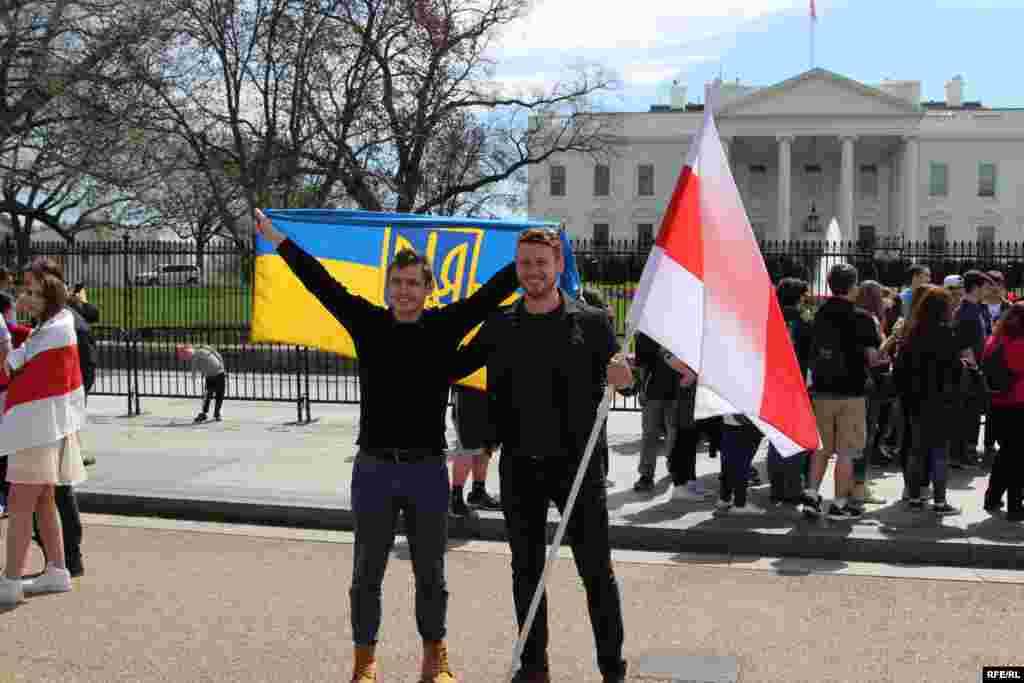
(404, 368)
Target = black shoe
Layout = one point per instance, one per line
(645, 484)
(459, 508)
(755, 477)
(201, 417)
(811, 505)
(915, 504)
(1015, 516)
(843, 514)
(479, 498)
(216, 418)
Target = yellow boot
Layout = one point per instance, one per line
(365, 668)
(435, 663)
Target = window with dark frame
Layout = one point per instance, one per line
(869, 181)
(758, 181)
(937, 237)
(986, 180)
(645, 180)
(602, 235)
(557, 181)
(938, 179)
(602, 180)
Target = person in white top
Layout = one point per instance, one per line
(43, 413)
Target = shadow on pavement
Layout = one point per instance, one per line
(997, 528)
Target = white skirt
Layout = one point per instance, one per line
(59, 462)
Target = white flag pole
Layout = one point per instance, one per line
(556, 543)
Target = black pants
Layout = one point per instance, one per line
(215, 388)
(739, 444)
(71, 527)
(527, 486)
(1008, 467)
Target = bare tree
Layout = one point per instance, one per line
(65, 98)
(408, 75)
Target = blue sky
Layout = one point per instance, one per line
(761, 42)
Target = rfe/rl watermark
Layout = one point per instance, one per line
(1002, 673)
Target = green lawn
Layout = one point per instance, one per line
(189, 306)
(184, 306)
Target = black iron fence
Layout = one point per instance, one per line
(153, 296)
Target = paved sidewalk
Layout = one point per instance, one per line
(259, 467)
(165, 601)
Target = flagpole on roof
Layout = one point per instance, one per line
(814, 22)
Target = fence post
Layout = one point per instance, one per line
(305, 361)
(298, 387)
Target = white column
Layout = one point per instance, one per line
(911, 183)
(846, 181)
(785, 187)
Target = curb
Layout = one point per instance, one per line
(805, 540)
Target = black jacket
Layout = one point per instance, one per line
(582, 360)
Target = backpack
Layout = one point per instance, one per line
(828, 356)
(997, 372)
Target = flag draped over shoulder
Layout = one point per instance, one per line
(705, 295)
(45, 399)
(356, 247)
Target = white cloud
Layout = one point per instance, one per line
(653, 73)
(585, 24)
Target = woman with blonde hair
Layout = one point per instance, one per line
(43, 413)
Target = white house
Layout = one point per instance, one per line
(877, 157)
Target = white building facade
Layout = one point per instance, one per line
(813, 147)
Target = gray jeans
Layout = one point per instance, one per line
(659, 417)
(380, 490)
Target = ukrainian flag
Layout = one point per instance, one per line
(356, 247)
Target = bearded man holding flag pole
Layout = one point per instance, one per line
(549, 359)
(695, 301)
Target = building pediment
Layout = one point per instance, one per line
(819, 93)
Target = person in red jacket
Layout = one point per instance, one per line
(1007, 411)
(12, 336)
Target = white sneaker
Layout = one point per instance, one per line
(684, 492)
(53, 580)
(11, 592)
(748, 509)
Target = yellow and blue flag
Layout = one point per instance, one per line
(356, 247)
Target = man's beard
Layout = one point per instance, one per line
(548, 287)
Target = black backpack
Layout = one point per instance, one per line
(828, 357)
(997, 373)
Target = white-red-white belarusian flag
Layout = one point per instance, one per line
(45, 399)
(705, 295)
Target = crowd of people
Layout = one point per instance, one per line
(896, 378)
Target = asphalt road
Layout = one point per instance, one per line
(176, 601)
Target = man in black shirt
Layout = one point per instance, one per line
(844, 344)
(549, 358)
(405, 355)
